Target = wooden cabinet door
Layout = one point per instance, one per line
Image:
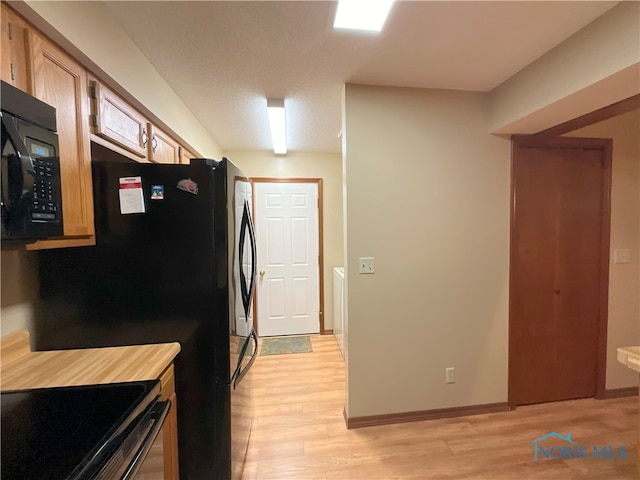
(164, 149)
(13, 59)
(62, 83)
(114, 120)
(185, 156)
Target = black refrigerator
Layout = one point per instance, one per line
(174, 262)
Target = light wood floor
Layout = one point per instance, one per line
(299, 432)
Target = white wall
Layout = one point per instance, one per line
(624, 279)
(326, 166)
(19, 289)
(596, 67)
(427, 195)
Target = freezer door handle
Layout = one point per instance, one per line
(241, 372)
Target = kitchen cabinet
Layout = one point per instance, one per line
(186, 156)
(114, 120)
(60, 81)
(13, 54)
(163, 148)
(170, 427)
(117, 125)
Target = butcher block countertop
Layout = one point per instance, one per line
(630, 356)
(21, 368)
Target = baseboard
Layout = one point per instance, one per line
(327, 332)
(373, 420)
(619, 393)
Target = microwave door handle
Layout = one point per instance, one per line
(14, 137)
(20, 171)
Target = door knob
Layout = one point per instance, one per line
(262, 272)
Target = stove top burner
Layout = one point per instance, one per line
(62, 433)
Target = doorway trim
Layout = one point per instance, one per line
(605, 145)
(317, 181)
(604, 113)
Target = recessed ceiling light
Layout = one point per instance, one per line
(362, 14)
(275, 109)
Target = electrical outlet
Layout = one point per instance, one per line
(365, 265)
(450, 374)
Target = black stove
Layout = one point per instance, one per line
(69, 432)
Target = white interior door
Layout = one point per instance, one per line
(288, 292)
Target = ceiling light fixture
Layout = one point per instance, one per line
(275, 109)
(362, 14)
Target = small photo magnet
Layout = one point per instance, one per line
(157, 192)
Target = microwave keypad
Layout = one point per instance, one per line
(44, 200)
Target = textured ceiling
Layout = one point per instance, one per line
(224, 58)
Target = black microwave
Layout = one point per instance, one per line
(31, 207)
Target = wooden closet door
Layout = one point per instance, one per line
(556, 289)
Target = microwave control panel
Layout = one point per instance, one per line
(45, 195)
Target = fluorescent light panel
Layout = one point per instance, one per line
(362, 14)
(275, 108)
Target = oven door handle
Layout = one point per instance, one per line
(161, 411)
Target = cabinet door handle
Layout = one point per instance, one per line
(154, 143)
(145, 137)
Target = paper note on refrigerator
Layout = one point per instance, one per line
(131, 198)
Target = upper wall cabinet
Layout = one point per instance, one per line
(186, 156)
(118, 126)
(13, 54)
(114, 120)
(164, 149)
(60, 81)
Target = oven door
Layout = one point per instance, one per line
(139, 452)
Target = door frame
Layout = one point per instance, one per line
(605, 145)
(317, 181)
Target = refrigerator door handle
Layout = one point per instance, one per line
(254, 260)
(241, 372)
(247, 290)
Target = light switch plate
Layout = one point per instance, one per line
(622, 255)
(365, 265)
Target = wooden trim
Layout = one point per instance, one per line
(375, 420)
(619, 393)
(605, 241)
(606, 145)
(321, 256)
(63, 243)
(604, 113)
(512, 213)
(533, 141)
(320, 243)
